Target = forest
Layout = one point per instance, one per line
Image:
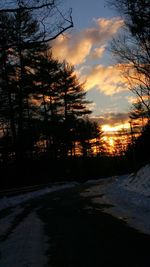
(46, 130)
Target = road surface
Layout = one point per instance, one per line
(66, 229)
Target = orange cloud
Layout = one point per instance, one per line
(134, 100)
(77, 47)
(97, 52)
(109, 26)
(113, 79)
(107, 79)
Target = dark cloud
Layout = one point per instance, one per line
(112, 119)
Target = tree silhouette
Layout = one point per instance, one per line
(52, 21)
(22, 40)
(73, 104)
(42, 100)
(132, 47)
(89, 135)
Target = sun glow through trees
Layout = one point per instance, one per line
(116, 137)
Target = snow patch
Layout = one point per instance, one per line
(26, 245)
(129, 196)
(7, 202)
(140, 182)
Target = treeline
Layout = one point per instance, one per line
(46, 133)
(132, 50)
(43, 105)
(137, 152)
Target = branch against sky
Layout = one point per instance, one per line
(52, 20)
(132, 47)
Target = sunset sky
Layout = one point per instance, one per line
(87, 48)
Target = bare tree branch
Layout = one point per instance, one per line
(46, 36)
(12, 10)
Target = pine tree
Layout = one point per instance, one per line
(17, 74)
(7, 74)
(73, 105)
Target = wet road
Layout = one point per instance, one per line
(80, 234)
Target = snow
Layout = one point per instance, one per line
(140, 182)
(26, 245)
(128, 197)
(8, 202)
(6, 221)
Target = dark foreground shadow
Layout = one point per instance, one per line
(82, 235)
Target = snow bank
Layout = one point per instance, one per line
(128, 197)
(140, 182)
